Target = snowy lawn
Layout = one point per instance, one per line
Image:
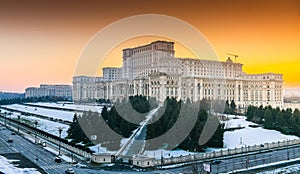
(237, 122)
(56, 114)
(45, 125)
(70, 106)
(157, 154)
(253, 136)
(250, 136)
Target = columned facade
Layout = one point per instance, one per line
(152, 70)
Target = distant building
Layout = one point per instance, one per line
(152, 70)
(11, 95)
(49, 90)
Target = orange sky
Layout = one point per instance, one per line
(41, 41)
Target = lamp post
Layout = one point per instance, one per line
(19, 124)
(35, 141)
(36, 123)
(60, 129)
(9, 119)
(5, 119)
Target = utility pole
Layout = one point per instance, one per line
(19, 124)
(36, 123)
(60, 129)
(9, 123)
(5, 119)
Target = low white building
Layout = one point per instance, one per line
(143, 161)
(102, 158)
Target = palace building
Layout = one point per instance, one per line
(152, 70)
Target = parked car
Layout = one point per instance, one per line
(70, 171)
(13, 133)
(216, 162)
(57, 159)
(80, 165)
(10, 140)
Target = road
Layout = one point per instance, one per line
(256, 159)
(35, 153)
(136, 143)
(45, 159)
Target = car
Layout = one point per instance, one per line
(13, 133)
(216, 162)
(10, 140)
(79, 165)
(57, 159)
(70, 171)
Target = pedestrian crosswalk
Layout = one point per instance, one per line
(56, 166)
(164, 172)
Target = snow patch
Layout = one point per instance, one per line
(7, 167)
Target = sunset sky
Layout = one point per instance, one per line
(41, 41)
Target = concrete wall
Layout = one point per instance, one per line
(195, 157)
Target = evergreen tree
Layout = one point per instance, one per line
(296, 115)
(232, 107)
(269, 119)
(279, 120)
(250, 112)
(75, 131)
(227, 108)
(258, 115)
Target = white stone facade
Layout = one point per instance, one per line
(152, 70)
(49, 90)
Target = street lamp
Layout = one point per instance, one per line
(5, 118)
(9, 119)
(60, 129)
(36, 123)
(19, 123)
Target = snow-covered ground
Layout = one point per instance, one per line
(100, 149)
(64, 115)
(247, 136)
(167, 153)
(288, 169)
(250, 136)
(45, 125)
(237, 122)
(67, 105)
(7, 167)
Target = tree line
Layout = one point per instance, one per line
(286, 121)
(94, 123)
(170, 116)
(32, 100)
